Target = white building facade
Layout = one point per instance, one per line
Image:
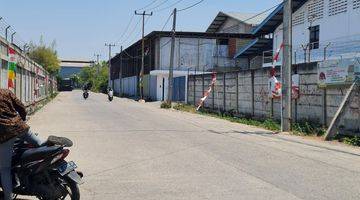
(322, 30)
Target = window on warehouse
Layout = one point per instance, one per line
(314, 37)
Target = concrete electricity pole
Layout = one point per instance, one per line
(143, 14)
(171, 67)
(97, 63)
(286, 67)
(97, 58)
(110, 46)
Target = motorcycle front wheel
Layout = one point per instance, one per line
(69, 190)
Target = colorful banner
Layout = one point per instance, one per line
(11, 69)
(338, 72)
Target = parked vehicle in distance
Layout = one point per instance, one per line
(66, 85)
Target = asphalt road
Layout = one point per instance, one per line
(134, 151)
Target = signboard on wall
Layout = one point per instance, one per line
(338, 72)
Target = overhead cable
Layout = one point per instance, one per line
(148, 5)
(193, 5)
(167, 7)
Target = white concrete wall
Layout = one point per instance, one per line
(342, 31)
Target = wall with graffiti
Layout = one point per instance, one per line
(28, 80)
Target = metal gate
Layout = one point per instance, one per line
(179, 89)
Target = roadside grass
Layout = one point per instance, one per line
(165, 105)
(350, 140)
(268, 124)
(302, 128)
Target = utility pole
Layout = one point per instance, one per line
(97, 63)
(110, 46)
(172, 52)
(97, 58)
(287, 67)
(143, 14)
(120, 72)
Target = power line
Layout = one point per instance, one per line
(151, 3)
(133, 57)
(132, 31)
(135, 38)
(167, 21)
(126, 29)
(131, 20)
(167, 7)
(162, 3)
(265, 11)
(193, 5)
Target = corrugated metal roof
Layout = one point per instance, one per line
(247, 18)
(255, 48)
(275, 18)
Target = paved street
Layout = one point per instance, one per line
(138, 151)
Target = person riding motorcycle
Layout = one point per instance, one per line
(87, 86)
(12, 125)
(110, 94)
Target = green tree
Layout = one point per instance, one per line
(99, 80)
(46, 56)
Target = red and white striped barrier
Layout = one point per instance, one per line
(274, 84)
(207, 92)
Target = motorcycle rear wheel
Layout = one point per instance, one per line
(70, 190)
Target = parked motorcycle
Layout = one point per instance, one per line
(43, 172)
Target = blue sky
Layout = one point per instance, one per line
(81, 27)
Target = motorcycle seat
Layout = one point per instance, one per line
(39, 153)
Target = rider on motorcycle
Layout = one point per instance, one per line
(87, 86)
(12, 125)
(110, 92)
